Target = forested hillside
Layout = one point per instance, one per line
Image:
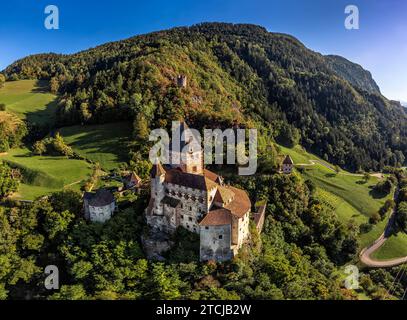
(236, 74)
(353, 72)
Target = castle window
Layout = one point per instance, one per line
(190, 208)
(220, 237)
(190, 219)
(182, 216)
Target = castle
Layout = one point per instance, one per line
(188, 195)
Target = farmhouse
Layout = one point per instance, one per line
(287, 165)
(188, 195)
(99, 206)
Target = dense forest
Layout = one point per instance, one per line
(297, 256)
(237, 74)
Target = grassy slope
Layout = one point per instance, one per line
(347, 186)
(29, 100)
(105, 143)
(50, 173)
(343, 193)
(394, 247)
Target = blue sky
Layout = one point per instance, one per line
(380, 45)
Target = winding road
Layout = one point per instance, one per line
(365, 254)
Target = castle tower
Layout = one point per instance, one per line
(189, 157)
(182, 81)
(157, 187)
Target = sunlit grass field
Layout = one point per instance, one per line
(105, 143)
(30, 100)
(45, 174)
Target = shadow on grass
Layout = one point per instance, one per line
(97, 140)
(376, 194)
(361, 182)
(43, 118)
(41, 86)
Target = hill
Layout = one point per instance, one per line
(235, 74)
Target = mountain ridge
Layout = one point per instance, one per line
(353, 72)
(237, 73)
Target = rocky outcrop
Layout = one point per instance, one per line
(155, 244)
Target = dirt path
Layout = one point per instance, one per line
(73, 183)
(370, 262)
(368, 251)
(314, 162)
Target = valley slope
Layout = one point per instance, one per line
(236, 74)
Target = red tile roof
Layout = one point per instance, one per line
(217, 217)
(241, 203)
(189, 180)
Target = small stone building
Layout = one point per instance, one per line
(99, 206)
(182, 81)
(287, 165)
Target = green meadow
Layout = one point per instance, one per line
(45, 174)
(105, 144)
(394, 247)
(30, 100)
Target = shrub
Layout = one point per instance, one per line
(375, 218)
(365, 227)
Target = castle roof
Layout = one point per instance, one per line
(212, 176)
(157, 170)
(224, 195)
(189, 180)
(217, 217)
(101, 198)
(240, 204)
(288, 160)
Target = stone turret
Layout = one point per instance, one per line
(189, 159)
(157, 187)
(182, 81)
